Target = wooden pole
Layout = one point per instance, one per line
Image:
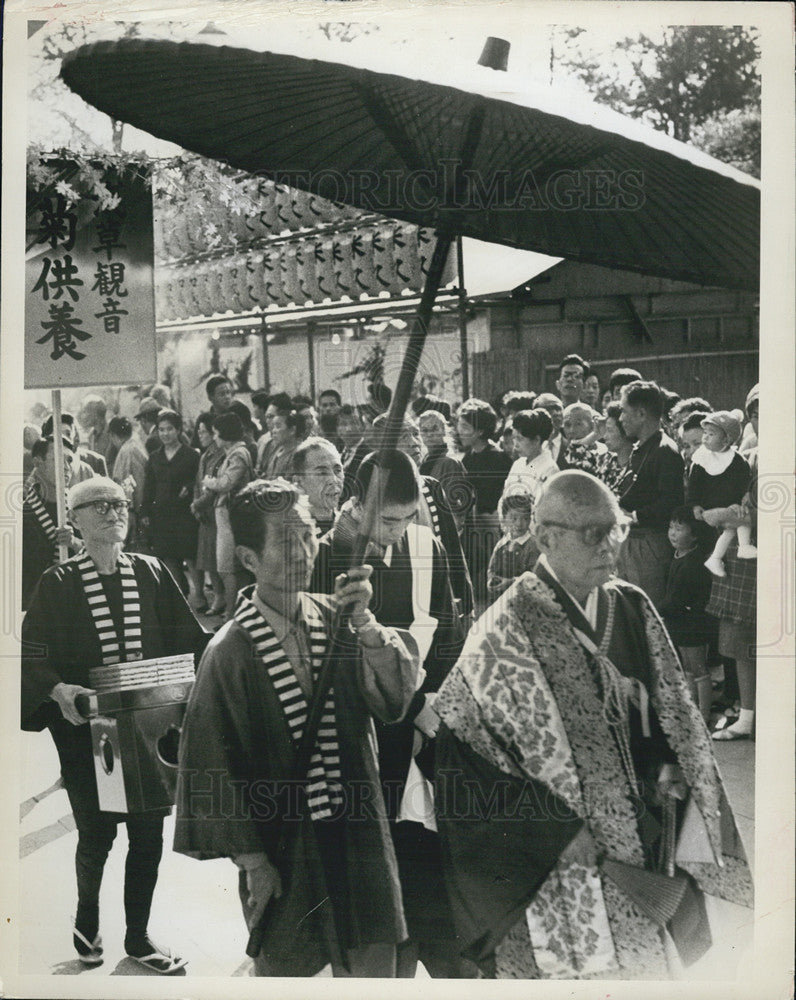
(463, 322)
(311, 327)
(60, 482)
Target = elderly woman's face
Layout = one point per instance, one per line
(577, 425)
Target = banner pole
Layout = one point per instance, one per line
(60, 481)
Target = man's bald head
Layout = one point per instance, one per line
(570, 494)
(579, 529)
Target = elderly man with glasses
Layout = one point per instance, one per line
(573, 768)
(101, 607)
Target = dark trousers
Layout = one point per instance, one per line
(94, 841)
(96, 832)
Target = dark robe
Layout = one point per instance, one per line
(59, 643)
(235, 796)
(417, 848)
(447, 505)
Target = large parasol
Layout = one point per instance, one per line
(467, 154)
(542, 173)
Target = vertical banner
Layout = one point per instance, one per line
(89, 281)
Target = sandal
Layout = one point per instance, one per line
(728, 734)
(161, 961)
(89, 952)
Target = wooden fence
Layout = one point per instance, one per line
(722, 377)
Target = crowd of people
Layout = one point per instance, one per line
(557, 596)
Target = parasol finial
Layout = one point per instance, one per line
(495, 53)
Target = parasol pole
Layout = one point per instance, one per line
(339, 649)
(60, 481)
(463, 321)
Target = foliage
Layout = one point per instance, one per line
(371, 366)
(733, 138)
(698, 84)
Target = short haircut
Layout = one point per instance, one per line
(693, 421)
(670, 400)
(39, 448)
(516, 501)
(261, 398)
(308, 445)
(516, 401)
(614, 411)
(206, 420)
(432, 416)
(702, 532)
(301, 402)
(250, 507)
(333, 393)
(47, 426)
(229, 427)
(575, 359)
(170, 417)
(584, 408)
(47, 441)
(281, 402)
(645, 396)
(623, 376)
(533, 424)
(92, 399)
(243, 411)
(381, 394)
(298, 420)
(120, 427)
(480, 416)
(693, 404)
(407, 424)
(402, 485)
(349, 411)
(214, 382)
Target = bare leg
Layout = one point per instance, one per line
(230, 593)
(745, 548)
(745, 664)
(218, 590)
(195, 580)
(715, 563)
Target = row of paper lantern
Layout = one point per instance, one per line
(181, 229)
(364, 263)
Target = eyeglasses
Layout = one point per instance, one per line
(103, 506)
(594, 534)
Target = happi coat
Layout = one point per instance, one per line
(236, 791)
(60, 643)
(525, 757)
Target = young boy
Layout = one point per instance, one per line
(516, 552)
(683, 609)
(719, 478)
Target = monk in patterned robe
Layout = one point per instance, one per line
(572, 765)
(315, 850)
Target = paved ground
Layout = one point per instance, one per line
(196, 909)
